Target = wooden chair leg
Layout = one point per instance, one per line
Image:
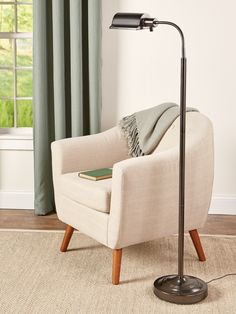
(197, 244)
(67, 236)
(116, 264)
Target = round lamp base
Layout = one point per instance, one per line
(189, 290)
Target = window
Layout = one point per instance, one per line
(16, 64)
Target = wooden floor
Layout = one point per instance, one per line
(25, 219)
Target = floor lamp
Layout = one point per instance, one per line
(180, 288)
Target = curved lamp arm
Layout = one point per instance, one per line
(156, 23)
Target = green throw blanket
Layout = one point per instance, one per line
(145, 129)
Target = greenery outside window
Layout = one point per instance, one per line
(16, 64)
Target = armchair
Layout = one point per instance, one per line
(140, 202)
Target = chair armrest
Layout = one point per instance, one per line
(141, 190)
(88, 152)
(145, 194)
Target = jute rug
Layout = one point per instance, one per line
(36, 278)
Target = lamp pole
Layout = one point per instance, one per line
(180, 288)
(181, 149)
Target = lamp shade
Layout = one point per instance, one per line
(129, 20)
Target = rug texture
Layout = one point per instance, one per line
(36, 278)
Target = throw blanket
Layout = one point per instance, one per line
(144, 129)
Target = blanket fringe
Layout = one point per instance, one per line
(129, 129)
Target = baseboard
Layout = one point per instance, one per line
(220, 204)
(16, 200)
(223, 205)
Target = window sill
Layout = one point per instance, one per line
(20, 140)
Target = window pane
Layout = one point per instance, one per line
(24, 18)
(24, 83)
(6, 52)
(7, 19)
(6, 83)
(24, 113)
(7, 113)
(24, 52)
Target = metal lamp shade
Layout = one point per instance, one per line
(129, 21)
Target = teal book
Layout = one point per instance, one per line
(96, 174)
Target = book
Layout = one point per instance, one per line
(96, 174)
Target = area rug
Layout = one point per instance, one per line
(36, 278)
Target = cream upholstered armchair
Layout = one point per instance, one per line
(140, 202)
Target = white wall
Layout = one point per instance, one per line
(16, 170)
(16, 179)
(141, 69)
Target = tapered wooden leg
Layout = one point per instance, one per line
(67, 236)
(116, 264)
(197, 243)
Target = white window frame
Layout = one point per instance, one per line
(19, 138)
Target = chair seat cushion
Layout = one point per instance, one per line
(93, 194)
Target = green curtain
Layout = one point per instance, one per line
(67, 98)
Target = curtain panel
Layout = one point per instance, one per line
(66, 77)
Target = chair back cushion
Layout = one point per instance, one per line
(196, 126)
